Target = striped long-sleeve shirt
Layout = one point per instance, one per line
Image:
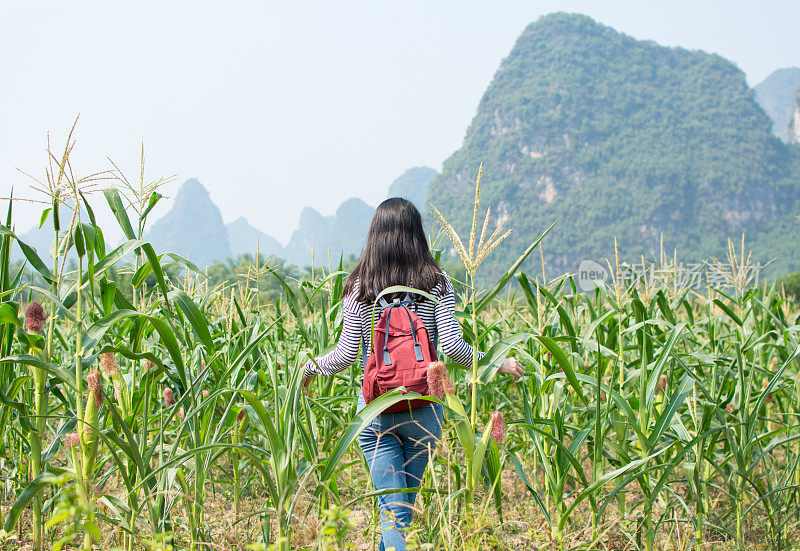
(438, 318)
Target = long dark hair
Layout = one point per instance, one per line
(396, 253)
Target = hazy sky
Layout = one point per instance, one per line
(279, 105)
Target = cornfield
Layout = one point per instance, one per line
(145, 412)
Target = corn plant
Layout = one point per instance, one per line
(472, 256)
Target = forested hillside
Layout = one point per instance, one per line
(616, 137)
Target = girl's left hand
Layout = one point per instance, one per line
(511, 366)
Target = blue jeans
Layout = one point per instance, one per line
(397, 447)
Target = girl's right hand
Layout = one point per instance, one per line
(511, 366)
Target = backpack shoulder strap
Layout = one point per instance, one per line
(364, 355)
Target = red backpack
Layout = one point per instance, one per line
(401, 352)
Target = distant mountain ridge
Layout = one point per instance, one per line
(414, 185)
(794, 122)
(344, 233)
(193, 227)
(776, 96)
(245, 239)
(319, 236)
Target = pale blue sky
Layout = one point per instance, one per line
(279, 105)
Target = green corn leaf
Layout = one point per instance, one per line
(30, 255)
(9, 313)
(771, 385)
(361, 421)
(155, 197)
(89, 235)
(663, 305)
(170, 342)
(78, 240)
(490, 363)
(658, 369)
(294, 305)
(598, 322)
(118, 209)
(276, 445)
(493, 474)
(625, 408)
(562, 315)
(530, 296)
(155, 264)
(21, 408)
(571, 459)
(563, 362)
(731, 314)
(461, 422)
(525, 480)
(98, 329)
(42, 218)
(141, 275)
(480, 453)
(178, 259)
(195, 317)
(675, 402)
(487, 298)
(53, 369)
(99, 242)
(31, 489)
